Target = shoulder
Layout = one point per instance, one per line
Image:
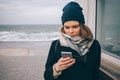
(96, 44)
(96, 41)
(55, 41)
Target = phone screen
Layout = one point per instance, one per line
(66, 54)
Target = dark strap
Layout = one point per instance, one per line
(57, 47)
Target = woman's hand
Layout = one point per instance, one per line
(64, 63)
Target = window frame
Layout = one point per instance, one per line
(109, 63)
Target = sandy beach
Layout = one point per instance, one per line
(22, 48)
(24, 60)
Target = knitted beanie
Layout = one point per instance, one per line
(72, 12)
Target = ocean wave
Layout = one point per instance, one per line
(22, 36)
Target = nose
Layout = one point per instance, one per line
(71, 30)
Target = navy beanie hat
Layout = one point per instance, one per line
(72, 12)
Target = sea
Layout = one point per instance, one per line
(27, 32)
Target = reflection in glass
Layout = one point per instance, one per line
(111, 26)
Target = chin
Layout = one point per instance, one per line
(73, 36)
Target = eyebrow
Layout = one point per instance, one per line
(72, 25)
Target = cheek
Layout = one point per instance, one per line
(66, 31)
(77, 31)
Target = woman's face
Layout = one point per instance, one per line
(72, 28)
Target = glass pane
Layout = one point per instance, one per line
(110, 26)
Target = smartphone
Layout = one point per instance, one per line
(66, 54)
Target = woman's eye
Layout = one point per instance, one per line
(67, 27)
(75, 26)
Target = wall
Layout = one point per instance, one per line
(89, 7)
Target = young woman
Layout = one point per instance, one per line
(75, 38)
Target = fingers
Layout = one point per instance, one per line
(64, 63)
(69, 63)
(64, 59)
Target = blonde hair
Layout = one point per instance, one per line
(85, 32)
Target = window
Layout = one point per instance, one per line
(108, 26)
(107, 32)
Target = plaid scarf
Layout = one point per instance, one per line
(76, 43)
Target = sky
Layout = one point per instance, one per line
(31, 11)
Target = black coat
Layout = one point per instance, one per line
(85, 67)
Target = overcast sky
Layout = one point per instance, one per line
(31, 11)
